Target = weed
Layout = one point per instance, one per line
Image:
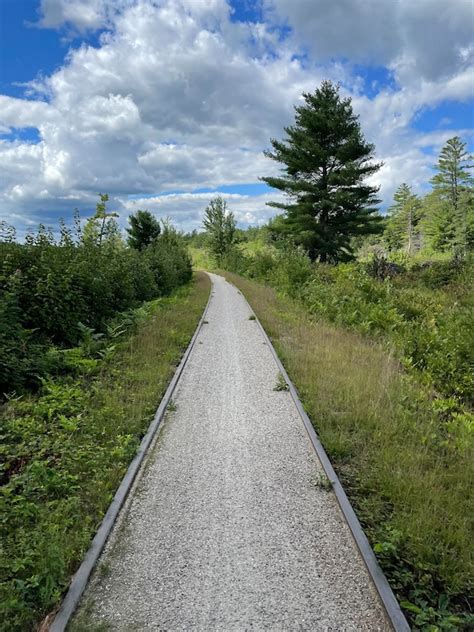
(103, 569)
(83, 619)
(281, 384)
(252, 317)
(172, 406)
(322, 482)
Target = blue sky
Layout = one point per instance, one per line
(163, 103)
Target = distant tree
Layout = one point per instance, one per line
(220, 226)
(403, 217)
(102, 226)
(325, 165)
(144, 229)
(7, 232)
(450, 223)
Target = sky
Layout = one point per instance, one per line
(162, 104)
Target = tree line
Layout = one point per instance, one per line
(442, 220)
(331, 210)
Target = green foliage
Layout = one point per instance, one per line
(419, 585)
(437, 227)
(144, 229)
(64, 452)
(440, 222)
(425, 312)
(102, 226)
(452, 183)
(280, 384)
(50, 288)
(220, 227)
(403, 217)
(169, 260)
(325, 165)
(234, 259)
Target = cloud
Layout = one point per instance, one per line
(426, 39)
(187, 209)
(19, 113)
(81, 15)
(178, 96)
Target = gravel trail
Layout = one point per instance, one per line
(230, 525)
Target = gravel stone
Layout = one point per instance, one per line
(227, 527)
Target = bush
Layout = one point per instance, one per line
(425, 312)
(169, 261)
(235, 260)
(50, 289)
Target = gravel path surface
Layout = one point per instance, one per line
(230, 526)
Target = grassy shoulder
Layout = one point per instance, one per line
(65, 451)
(407, 474)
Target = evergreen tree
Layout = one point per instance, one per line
(449, 223)
(325, 163)
(144, 229)
(436, 227)
(403, 216)
(219, 224)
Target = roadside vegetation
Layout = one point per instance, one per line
(373, 317)
(56, 293)
(92, 331)
(402, 449)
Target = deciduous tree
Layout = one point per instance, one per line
(219, 224)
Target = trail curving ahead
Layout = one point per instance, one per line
(229, 526)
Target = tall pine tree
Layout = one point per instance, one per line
(450, 224)
(325, 164)
(401, 231)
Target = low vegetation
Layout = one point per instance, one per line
(424, 311)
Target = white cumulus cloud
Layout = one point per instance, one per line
(179, 96)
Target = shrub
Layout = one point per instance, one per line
(50, 288)
(424, 311)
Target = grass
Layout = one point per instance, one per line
(280, 384)
(322, 482)
(66, 451)
(408, 476)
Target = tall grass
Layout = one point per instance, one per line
(408, 474)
